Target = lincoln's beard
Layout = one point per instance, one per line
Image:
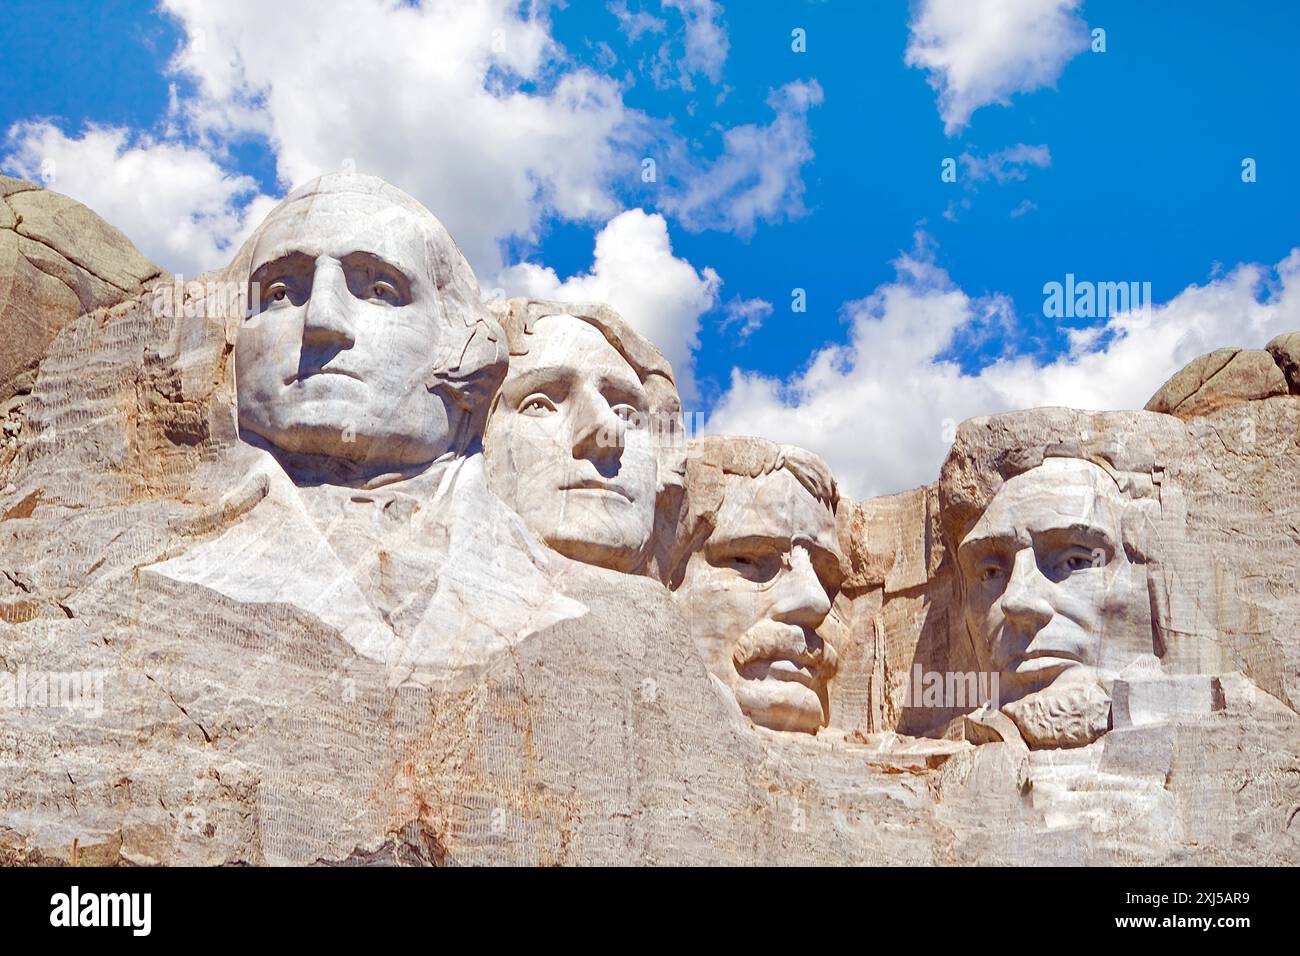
(1070, 712)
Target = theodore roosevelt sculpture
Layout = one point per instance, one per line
(759, 568)
(363, 369)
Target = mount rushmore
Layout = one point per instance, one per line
(324, 558)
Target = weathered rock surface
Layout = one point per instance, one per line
(58, 260)
(1285, 350)
(155, 719)
(1222, 378)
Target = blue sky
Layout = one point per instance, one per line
(775, 170)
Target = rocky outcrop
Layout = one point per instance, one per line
(1221, 378)
(58, 261)
(1285, 350)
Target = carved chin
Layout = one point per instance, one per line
(305, 435)
(613, 536)
(780, 704)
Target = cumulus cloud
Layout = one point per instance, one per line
(471, 107)
(759, 174)
(881, 408)
(979, 52)
(180, 208)
(634, 270)
(474, 108)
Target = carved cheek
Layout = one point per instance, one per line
(1084, 598)
(729, 597)
(535, 445)
(259, 365)
(983, 607)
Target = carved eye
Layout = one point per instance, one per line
(990, 572)
(277, 292)
(536, 406)
(1079, 559)
(756, 567)
(629, 415)
(383, 291)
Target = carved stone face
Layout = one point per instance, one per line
(570, 448)
(756, 593)
(1049, 588)
(339, 360)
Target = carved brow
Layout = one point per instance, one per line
(295, 262)
(748, 542)
(1086, 532)
(988, 545)
(531, 378)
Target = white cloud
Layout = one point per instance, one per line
(1006, 165)
(699, 49)
(429, 97)
(635, 23)
(706, 42)
(747, 313)
(174, 202)
(759, 174)
(473, 108)
(979, 52)
(635, 271)
(880, 408)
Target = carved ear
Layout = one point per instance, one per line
(471, 381)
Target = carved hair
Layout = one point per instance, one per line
(468, 368)
(752, 457)
(711, 458)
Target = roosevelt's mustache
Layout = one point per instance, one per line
(772, 641)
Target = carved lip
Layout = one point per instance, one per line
(293, 377)
(782, 668)
(592, 484)
(1036, 662)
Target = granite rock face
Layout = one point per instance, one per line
(58, 260)
(1223, 378)
(305, 629)
(1285, 350)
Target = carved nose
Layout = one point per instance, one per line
(1025, 601)
(597, 432)
(328, 323)
(801, 599)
